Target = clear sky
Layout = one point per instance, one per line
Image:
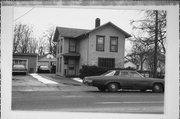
(42, 18)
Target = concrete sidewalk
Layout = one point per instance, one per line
(28, 83)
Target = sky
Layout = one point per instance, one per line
(43, 18)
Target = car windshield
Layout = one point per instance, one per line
(109, 73)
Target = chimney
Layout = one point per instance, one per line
(97, 22)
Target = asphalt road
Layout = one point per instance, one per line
(87, 99)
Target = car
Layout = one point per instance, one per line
(19, 69)
(113, 80)
(43, 69)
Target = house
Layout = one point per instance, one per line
(47, 60)
(27, 59)
(102, 46)
(130, 64)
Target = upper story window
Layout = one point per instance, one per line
(113, 44)
(72, 45)
(100, 41)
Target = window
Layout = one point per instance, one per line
(100, 43)
(113, 44)
(124, 74)
(72, 45)
(135, 75)
(117, 73)
(106, 62)
(111, 73)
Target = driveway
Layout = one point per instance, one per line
(29, 83)
(47, 82)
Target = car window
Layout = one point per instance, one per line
(111, 73)
(124, 74)
(117, 73)
(135, 74)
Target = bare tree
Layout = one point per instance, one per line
(48, 36)
(146, 27)
(24, 42)
(143, 45)
(42, 46)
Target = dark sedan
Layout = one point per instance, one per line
(114, 80)
(43, 69)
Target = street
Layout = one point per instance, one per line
(80, 98)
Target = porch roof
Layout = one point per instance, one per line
(75, 55)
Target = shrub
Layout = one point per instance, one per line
(91, 71)
(95, 70)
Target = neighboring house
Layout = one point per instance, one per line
(130, 64)
(47, 60)
(28, 60)
(102, 46)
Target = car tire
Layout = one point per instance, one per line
(113, 87)
(102, 89)
(158, 88)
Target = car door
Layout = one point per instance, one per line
(138, 81)
(125, 80)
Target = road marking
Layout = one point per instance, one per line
(77, 79)
(42, 79)
(146, 102)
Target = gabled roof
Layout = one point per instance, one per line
(40, 57)
(109, 23)
(74, 33)
(69, 32)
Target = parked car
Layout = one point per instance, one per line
(114, 80)
(19, 69)
(43, 69)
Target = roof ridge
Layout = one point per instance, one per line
(72, 28)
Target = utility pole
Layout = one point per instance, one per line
(155, 42)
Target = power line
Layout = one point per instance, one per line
(24, 14)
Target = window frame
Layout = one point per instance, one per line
(116, 46)
(97, 36)
(70, 41)
(100, 59)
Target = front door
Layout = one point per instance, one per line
(71, 67)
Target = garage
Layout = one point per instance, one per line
(28, 60)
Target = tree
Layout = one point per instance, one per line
(23, 41)
(143, 45)
(48, 37)
(139, 51)
(42, 46)
(146, 28)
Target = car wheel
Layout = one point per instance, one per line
(113, 87)
(102, 89)
(158, 88)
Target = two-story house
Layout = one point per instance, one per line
(102, 46)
